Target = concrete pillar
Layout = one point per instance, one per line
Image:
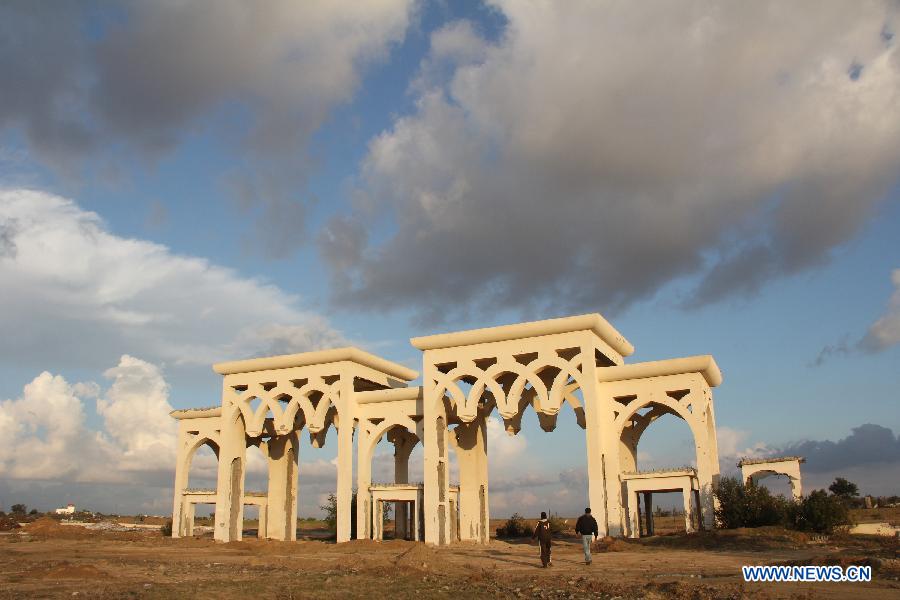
(230, 485)
(282, 454)
(189, 512)
(705, 482)
(365, 447)
(182, 467)
(471, 455)
(796, 488)
(345, 480)
(603, 463)
(640, 526)
(378, 519)
(634, 516)
(262, 529)
(404, 442)
(436, 461)
(688, 520)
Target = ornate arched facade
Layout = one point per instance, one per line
(466, 377)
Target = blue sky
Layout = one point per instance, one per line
(185, 184)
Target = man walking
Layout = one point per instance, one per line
(586, 526)
(542, 534)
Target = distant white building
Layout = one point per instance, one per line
(68, 510)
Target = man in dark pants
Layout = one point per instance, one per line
(542, 534)
(586, 527)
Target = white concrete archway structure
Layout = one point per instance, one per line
(754, 469)
(466, 376)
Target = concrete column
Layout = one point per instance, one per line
(182, 468)
(378, 520)
(189, 512)
(604, 487)
(365, 446)
(688, 521)
(634, 516)
(696, 494)
(471, 456)
(262, 529)
(705, 482)
(640, 526)
(345, 479)
(230, 485)
(796, 489)
(435, 459)
(404, 442)
(282, 454)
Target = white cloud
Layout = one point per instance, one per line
(44, 434)
(733, 446)
(505, 451)
(135, 413)
(599, 151)
(885, 332)
(77, 295)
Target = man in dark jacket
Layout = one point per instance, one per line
(586, 526)
(542, 534)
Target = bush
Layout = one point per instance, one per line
(330, 508)
(18, 509)
(820, 512)
(166, 529)
(514, 527)
(748, 506)
(843, 489)
(557, 525)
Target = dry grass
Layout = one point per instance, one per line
(889, 514)
(56, 563)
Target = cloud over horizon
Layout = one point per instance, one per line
(70, 279)
(576, 163)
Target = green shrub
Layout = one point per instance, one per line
(748, 506)
(820, 512)
(514, 527)
(166, 529)
(557, 524)
(330, 509)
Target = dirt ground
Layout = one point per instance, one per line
(50, 560)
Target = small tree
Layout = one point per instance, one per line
(18, 509)
(557, 524)
(748, 505)
(820, 512)
(514, 527)
(843, 489)
(330, 508)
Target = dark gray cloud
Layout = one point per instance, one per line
(597, 153)
(43, 77)
(86, 81)
(8, 231)
(867, 445)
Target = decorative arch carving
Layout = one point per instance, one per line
(544, 383)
